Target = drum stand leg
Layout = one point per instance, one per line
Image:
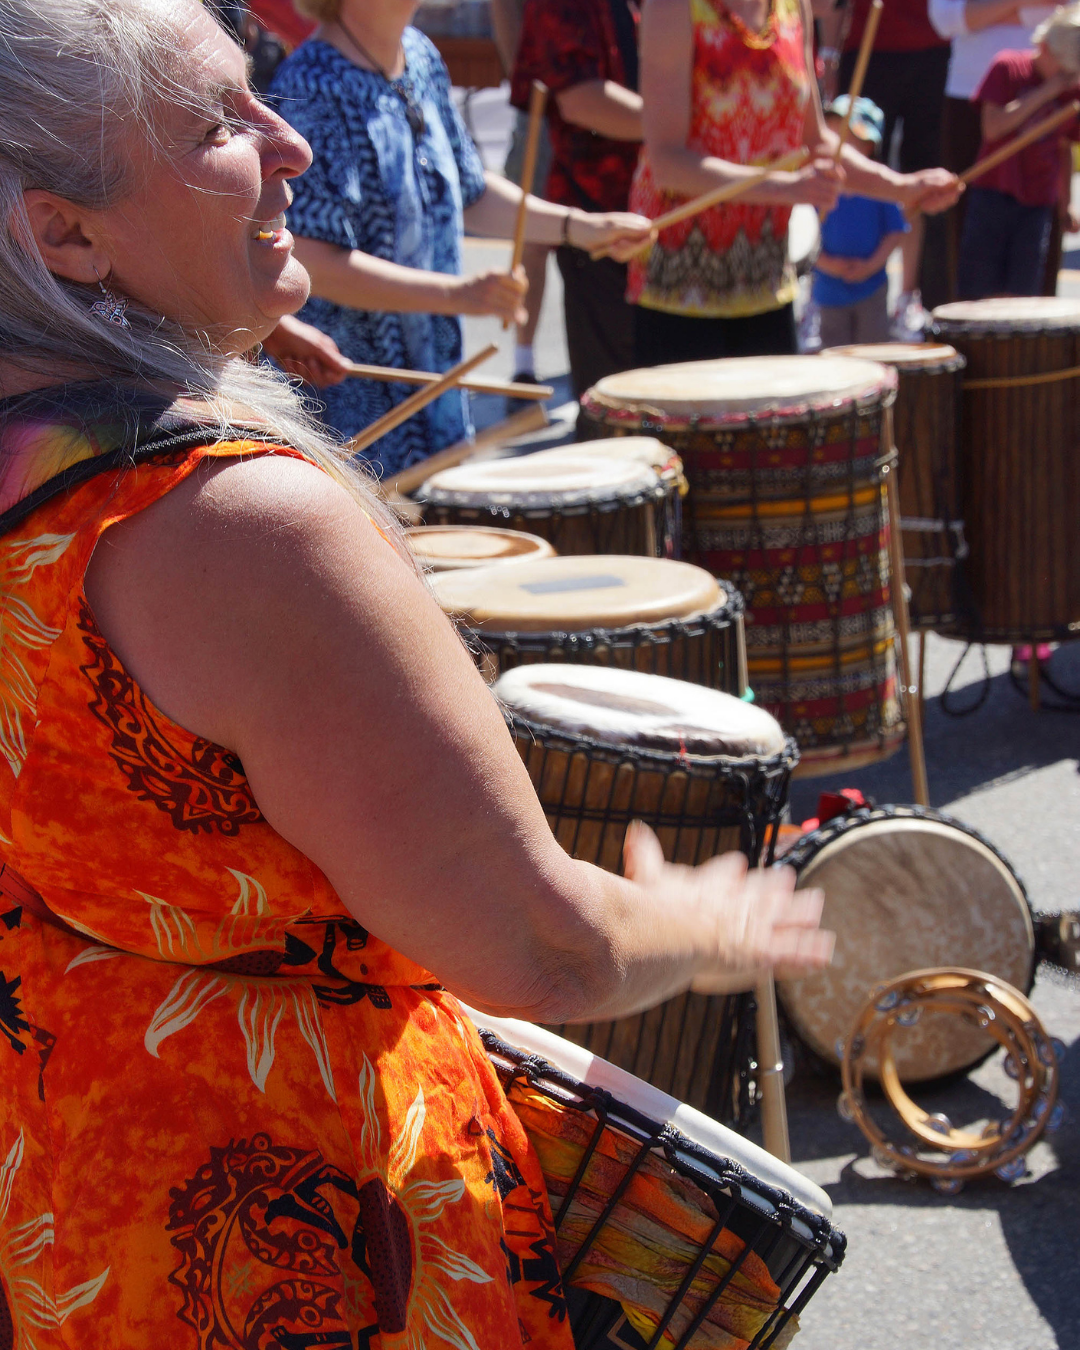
(770, 1072)
(900, 609)
(1034, 678)
(922, 677)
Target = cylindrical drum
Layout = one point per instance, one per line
(784, 460)
(647, 614)
(926, 427)
(1020, 463)
(660, 457)
(579, 504)
(454, 548)
(907, 888)
(709, 773)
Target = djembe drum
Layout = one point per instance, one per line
(1020, 463)
(785, 464)
(926, 427)
(454, 548)
(709, 773)
(579, 504)
(646, 614)
(669, 1229)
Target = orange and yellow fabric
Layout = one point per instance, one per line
(230, 1118)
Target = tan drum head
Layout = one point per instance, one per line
(547, 478)
(640, 449)
(904, 893)
(569, 595)
(904, 355)
(627, 708)
(1009, 314)
(738, 387)
(452, 548)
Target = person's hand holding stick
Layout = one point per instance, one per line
(415, 402)
(1025, 138)
(726, 192)
(537, 103)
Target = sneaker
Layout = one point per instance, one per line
(809, 329)
(516, 405)
(910, 320)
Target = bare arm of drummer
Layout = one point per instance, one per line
(666, 46)
(258, 607)
(605, 107)
(929, 190)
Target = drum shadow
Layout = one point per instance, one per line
(999, 742)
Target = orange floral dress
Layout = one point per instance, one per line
(230, 1117)
(749, 94)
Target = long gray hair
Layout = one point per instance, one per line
(80, 79)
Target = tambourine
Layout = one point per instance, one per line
(950, 1156)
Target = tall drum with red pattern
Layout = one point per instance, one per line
(785, 465)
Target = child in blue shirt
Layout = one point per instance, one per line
(850, 286)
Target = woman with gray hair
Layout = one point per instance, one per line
(260, 819)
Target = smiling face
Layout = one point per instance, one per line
(202, 238)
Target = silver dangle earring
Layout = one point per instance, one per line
(111, 307)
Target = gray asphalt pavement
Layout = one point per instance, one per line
(998, 1267)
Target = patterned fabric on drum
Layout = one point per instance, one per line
(376, 187)
(230, 1117)
(748, 103)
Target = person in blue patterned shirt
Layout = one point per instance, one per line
(379, 216)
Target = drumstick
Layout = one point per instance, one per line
(770, 1072)
(415, 402)
(866, 46)
(794, 159)
(1017, 143)
(900, 610)
(537, 102)
(391, 375)
(518, 424)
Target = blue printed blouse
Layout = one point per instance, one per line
(375, 186)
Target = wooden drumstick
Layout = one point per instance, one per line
(392, 375)
(415, 402)
(794, 159)
(1010, 148)
(770, 1071)
(518, 424)
(866, 46)
(900, 611)
(537, 103)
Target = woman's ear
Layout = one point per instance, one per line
(64, 238)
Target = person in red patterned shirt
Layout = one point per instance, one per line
(585, 51)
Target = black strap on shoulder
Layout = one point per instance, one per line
(626, 37)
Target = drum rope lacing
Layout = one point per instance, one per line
(1021, 381)
(723, 1179)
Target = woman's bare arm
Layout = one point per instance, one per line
(258, 607)
(603, 106)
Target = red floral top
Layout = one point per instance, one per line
(749, 95)
(565, 43)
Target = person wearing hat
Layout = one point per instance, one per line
(850, 287)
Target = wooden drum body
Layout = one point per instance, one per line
(784, 462)
(709, 773)
(581, 504)
(926, 428)
(646, 614)
(1020, 463)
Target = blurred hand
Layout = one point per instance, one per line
(302, 350)
(751, 921)
(496, 293)
(1070, 220)
(819, 184)
(930, 190)
(613, 234)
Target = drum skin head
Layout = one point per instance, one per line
(904, 894)
(628, 708)
(1009, 313)
(740, 386)
(577, 594)
(447, 548)
(905, 355)
(547, 478)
